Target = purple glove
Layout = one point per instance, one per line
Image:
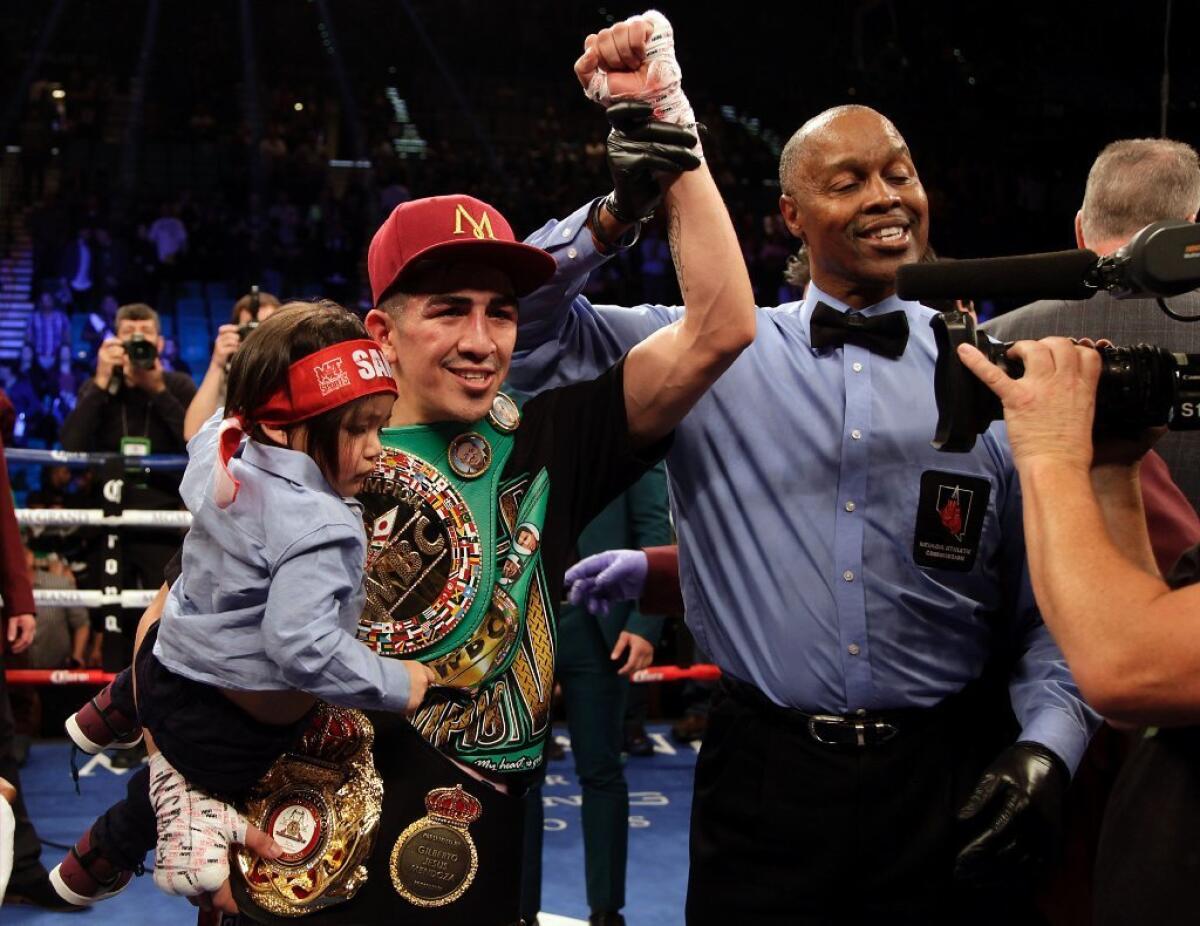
(600, 580)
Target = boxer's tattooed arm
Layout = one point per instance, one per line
(666, 374)
(675, 238)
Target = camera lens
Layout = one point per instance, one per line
(142, 352)
(1140, 387)
(1137, 389)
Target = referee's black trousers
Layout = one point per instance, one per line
(788, 830)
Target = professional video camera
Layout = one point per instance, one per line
(142, 351)
(1140, 387)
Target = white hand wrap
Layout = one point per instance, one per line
(663, 88)
(194, 833)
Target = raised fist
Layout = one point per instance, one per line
(635, 60)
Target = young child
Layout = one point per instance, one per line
(262, 619)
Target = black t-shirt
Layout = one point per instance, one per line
(1186, 570)
(492, 648)
(580, 434)
(1147, 864)
(99, 422)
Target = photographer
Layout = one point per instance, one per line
(247, 313)
(133, 406)
(1131, 639)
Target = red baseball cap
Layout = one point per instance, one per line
(460, 228)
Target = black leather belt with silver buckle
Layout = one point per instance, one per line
(834, 730)
(855, 730)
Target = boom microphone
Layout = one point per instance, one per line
(1056, 275)
(1163, 259)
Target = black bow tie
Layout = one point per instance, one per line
(885, 334)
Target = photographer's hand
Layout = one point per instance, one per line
(224, 347)
(110, 356)
(1118, 456)
(211, 394)
(1049, 410)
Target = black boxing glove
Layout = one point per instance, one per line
(640, 151)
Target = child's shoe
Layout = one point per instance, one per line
(85, 876)
(105, 721)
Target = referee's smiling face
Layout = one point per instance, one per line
(854, 197)
(450, 342)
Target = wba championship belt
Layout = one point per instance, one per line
(322, 804)
(434, 861)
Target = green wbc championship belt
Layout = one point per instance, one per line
(431, 537)
(450, 580)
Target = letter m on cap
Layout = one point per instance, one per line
(481, 229)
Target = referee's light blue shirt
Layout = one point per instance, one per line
(795, 484)
(272, 586)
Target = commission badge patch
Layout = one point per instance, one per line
(950, 515)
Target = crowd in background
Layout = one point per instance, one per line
(306, 234)
(208, 149)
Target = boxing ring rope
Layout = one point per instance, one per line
(110, 603)
(698, 673)
(163, 461)
(95, 517)
(58, 677)
(136, 599)
(702, 672)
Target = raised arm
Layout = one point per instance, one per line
(668, 372)
(563, 338)
(211, 394)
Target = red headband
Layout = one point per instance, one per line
(316, 384)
